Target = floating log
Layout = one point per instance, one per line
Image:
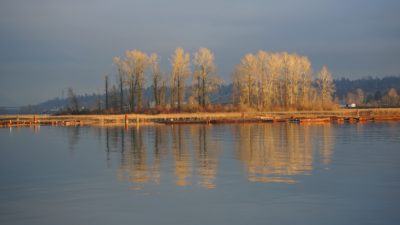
(315, 120)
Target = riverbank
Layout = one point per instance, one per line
(342, 115)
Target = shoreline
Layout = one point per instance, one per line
(302, 117)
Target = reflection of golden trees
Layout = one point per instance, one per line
(327, 143)
(182, 157)
(134, 159)
(275, 153)
(207, 152)
(269, 152)
(160, 141)
(137, 165)
(141, 164)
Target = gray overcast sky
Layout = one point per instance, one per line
(47, 46)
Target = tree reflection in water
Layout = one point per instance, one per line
(268, 152)
(276, 153)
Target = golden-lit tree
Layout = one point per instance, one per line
(205, 80)
(246, 78)
(274, 80)
(138, 61)
(132, 71)
(158, 80)
(237, 86)
(180, 71)
(305, 83)
(286, 79)
(261, 81)
(325, 86)
(263, 95)
(273, 87)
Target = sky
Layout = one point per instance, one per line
(47, 46)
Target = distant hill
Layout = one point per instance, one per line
(223, 95)
(370, 86)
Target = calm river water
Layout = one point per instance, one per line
(201, 174)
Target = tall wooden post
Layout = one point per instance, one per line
(126, 120)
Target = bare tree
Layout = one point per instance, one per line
(278, 80)
(205, 80)
(73, 101)
(286, 79)
(180, 71)
(326, 86)
(391, 98)
(360, 96)
(248, 77)
(273, 85)
(124, 77)
(121, 76)
(305, 85)
(263, 95)
(114, 99)
(162, 91)
(138, 61)
(237, 86)
(156, 78)
(132, 70)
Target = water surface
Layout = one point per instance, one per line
(201, 174)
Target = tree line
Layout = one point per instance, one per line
(268, 81)
(261, 81)
(135, 65)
